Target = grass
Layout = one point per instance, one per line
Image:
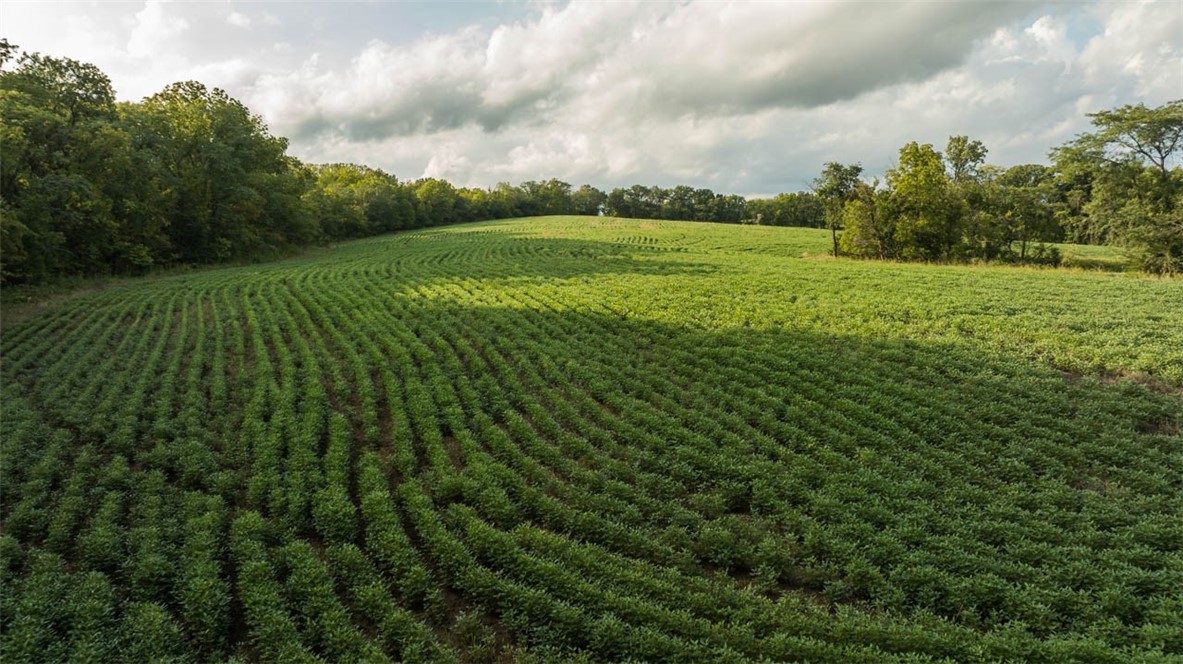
(1094, 257)
(558, 438)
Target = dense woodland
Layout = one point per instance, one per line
(190, 176)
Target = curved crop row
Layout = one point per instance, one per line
(595, 439)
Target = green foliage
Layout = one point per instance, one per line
(836, 186)
(354, 201)
(594, 439)
(150, 634)
(964, 158)
(928, 214)
(953, 208)
(1122, 183)
(587, 201)
(190, 176)
(680, 203)
(204, 595)
(334, 515)
(803, 209)
(869, 224)
(1024, 209)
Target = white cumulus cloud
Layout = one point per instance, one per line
(238, 19)
(154, 27)
(741, 97)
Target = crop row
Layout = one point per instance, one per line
(439, 435)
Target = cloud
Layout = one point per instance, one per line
(743, 57)
(647, 60)
(617, 92)
(1050, 33)
(147, 45)
(1140, 52)
(743, 97)
(153, 29)
(238, 20)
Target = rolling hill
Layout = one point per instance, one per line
(589, 438)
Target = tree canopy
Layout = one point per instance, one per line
(1122, 183)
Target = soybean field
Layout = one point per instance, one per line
(595, 439)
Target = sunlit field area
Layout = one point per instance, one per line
(598, 439)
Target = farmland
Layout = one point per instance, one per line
(563, 438)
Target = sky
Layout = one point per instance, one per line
(740, 97)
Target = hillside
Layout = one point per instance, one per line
(577, 437)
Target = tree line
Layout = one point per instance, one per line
(1119, 184)
(189, 175)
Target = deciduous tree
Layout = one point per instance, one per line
(1133, 184)
(836, 185)
(930, 214)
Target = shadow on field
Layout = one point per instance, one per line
(1018, 505)
(982, 506)
(989, 405)
(890, 473)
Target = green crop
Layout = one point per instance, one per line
(579, 438)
